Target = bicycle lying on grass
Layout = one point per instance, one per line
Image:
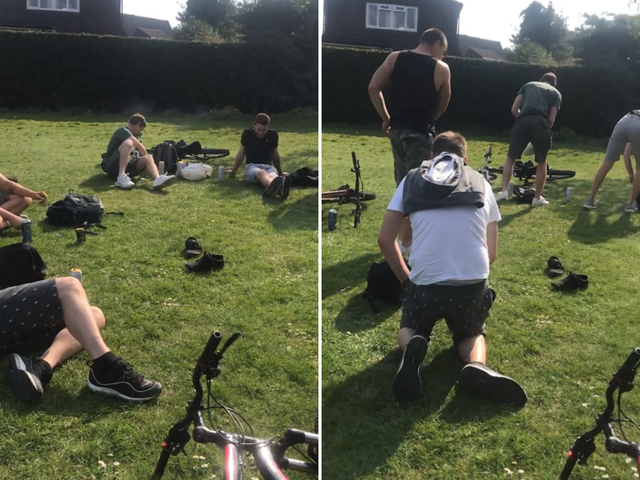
(525, 172)
(194, 151)
(584, 446)
(269, 454)
(345, 194)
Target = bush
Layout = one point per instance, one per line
(110, 74)
(483, 92)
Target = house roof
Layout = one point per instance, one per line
(466, 41)
(487, 54)
(150, 27)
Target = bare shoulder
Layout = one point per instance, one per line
(442, 66)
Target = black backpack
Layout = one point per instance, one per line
(20, 263)
(304, 177)
(76, 211)
(166, 152)
(383, 285)
(524, 194)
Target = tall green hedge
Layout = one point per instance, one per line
(111, 74)
(483, 91)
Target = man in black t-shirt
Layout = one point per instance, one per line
(260, 147)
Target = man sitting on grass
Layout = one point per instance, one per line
(626, 131)
(126, 157)
(55, 315)
(455, 217)
(15, 199)
(260, 147)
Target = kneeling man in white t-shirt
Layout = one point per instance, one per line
(454, 217)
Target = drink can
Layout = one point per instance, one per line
(510, 189)
(161, 167)
(333, 219)
(76, 273)
(81, 235)
(569, 192)
(221, 173)
(26, 230)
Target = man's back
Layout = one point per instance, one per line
(538, 98)
(118, 137)
(414, 94)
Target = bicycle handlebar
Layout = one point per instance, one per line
(208, 354)
(627, 371)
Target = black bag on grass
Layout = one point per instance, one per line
(166, 152)
(383, 285)
(304, 177)
(20, 263)
(76, 211)
(524, 195)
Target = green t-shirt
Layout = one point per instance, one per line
(538, 99)
(117, 139)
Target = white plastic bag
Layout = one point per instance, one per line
(196, 171)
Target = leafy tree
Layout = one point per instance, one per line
(529, 51)
(609, 40)
(196, 30)
(544, 26)
(220, 14)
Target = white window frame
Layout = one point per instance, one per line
(387, 7)
(50, 9)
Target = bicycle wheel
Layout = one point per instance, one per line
(560, 174)
(214, 151)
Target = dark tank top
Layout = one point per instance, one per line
(413, 92)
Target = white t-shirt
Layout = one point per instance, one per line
(449, 243)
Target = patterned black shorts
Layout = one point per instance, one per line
(465, 308)
(30, 316)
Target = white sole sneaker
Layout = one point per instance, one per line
(165, 181)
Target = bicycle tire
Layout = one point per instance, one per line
(560, 174)
(214, 151)
(344, 196)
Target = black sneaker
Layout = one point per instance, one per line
(122, 381)
(286, 186)
(274, 188)
(192, 248)
(28, 377)
(406, 384)
(555, 267)
(206, 263)
(571, 283)
(499, 387)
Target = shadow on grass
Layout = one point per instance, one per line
(362, 410)
(336, 277)
(300, 214)
(358, 315)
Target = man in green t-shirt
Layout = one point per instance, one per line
(126, 157)
(535, 109)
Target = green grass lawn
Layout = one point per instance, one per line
(158, 316)
(562, 348)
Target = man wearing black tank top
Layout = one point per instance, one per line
(420, 85)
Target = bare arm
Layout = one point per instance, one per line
(442, 78)
(238, 161)
(381, 80)
(391, 225)
(275, 156)
(138, 146)
(14, 188)
(517, 104)
(627, 161)
(492, 241)
(552, 116)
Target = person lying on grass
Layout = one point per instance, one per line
(15, 199)
(259, 146)
(55, 315)
(126, 157)
(454, 217)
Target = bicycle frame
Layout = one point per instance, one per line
(584, 445)
(358, 210)
(269, 455)
(487, 162)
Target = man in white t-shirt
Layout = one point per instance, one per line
(455, 217)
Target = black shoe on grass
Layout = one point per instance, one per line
(122, 381)
(192, 248)
(28, 377)
(286, 186)
(274, 188)
(499, 387)
(571, 283)
(206, 263)
(406, 384)
(555, 267)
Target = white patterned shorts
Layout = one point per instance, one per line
(30, 316)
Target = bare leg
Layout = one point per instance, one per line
(147, 164)
(507, 172)
(601, 174)
(473, 349)
(80, 317)
(264, 178)
(65, 346)
(404, 334)
(17, 204)
(6, 216)
(635, 190)
(541, 178)
(125, 151)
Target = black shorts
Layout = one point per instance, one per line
(30, 316)
(111, 166)
(530, 129)
(465, 308)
